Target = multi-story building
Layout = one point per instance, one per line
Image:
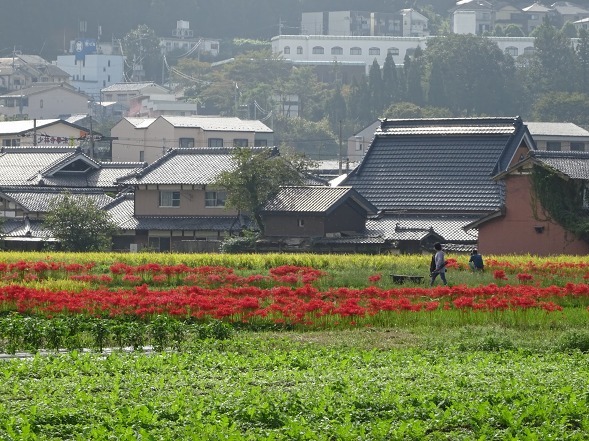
(92, 72)
(184, 41)
(363, 50)
(147, 139)
(406, 23)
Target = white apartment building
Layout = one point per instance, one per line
(93, 73)
(309, 49)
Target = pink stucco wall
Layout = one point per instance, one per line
(516, 233)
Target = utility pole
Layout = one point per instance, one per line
(340, 147)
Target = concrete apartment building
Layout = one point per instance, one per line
(147, 139)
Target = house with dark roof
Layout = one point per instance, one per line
(524, 224)
(429, 178)
(175, 204)
(24, 208)
(31, 177)
(319, 218)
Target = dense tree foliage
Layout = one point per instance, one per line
(258, 176)
(79, 224)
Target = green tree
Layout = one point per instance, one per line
(141, 48)
(258, 176)
(478, 77)
(79, 224)
(436, 95)
(410, 110)
(569, 30)
(414, 78)
(555, 63)
(314, 139)
(375, 88)
(359, 101)
(513, 31)
(390, 81)
(563, 107)
(583, 54)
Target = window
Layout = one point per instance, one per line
(161, 244)
(261, 143)
(286, 50)
(169, 199)
(553, 146)
(10, 142)
(299, 50)
(355, 51)
(215, 142)
(337, 50)
(318, 50)
(374, 51)
(529, 50)
(108, 63)
(141, 156)
(577, 146)
(186, 143)
(240, 143)
(511, 50)
(215, 199)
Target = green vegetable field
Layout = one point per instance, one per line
(104, 347)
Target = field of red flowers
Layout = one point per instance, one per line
(296, 295)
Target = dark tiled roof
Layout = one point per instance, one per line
(417, 227)
(314, 199)
(26, 228)
(442, 165)
(575, 165)
(194, 166)
(39, 200)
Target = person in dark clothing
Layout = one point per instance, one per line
(476, 261)
(440, 260)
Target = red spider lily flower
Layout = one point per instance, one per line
(523, 277)
(499, 275)
(375, 278)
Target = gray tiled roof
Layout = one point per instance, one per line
(36, 166)
(39, 200)
(25, 228)
(192, 166)
(314, 199)
(575, 165)
(439, 165)
(21, 166)
(556, 129)
(417, 227)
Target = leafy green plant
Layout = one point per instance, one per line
(574, 339)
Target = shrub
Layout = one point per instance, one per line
(574, 339)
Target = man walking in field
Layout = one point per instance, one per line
(440, 261)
